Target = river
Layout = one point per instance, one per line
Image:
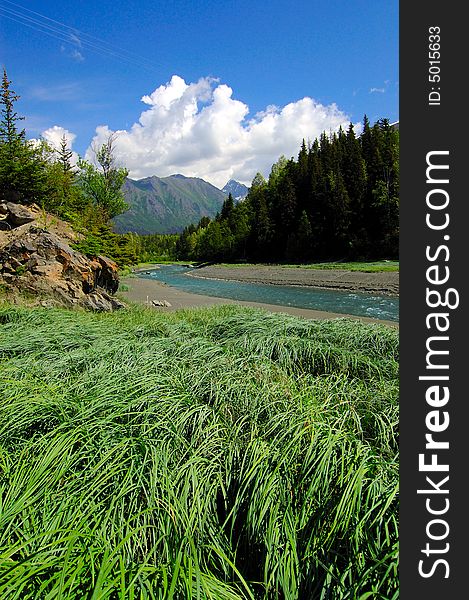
(358, 303)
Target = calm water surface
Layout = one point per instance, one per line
(359, 304)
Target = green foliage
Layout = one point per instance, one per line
(126, 249)
(224, 453)
(102, 185)
(102, 240)
(87, 196)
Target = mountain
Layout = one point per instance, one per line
(167, 204)
(236, 189)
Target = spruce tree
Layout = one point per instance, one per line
(23, 166)
(227, 211)
(64, 157)
(66, 198)
(354, 173)
(9, 134)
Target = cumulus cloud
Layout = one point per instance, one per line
(54, 136)
(200, 130)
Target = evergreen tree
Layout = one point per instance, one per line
(65, 197)
(261, 227)
(23, 165)
(354, 173)
(381, 148)
(303, 177)
(285, 211)
(228, 213)
(276, 171)
(339, 224)
(299, 246)
(242, 229)
(305, 234)
(64, 158)
(9, 134)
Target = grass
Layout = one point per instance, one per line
(365, 267)
(221, 453)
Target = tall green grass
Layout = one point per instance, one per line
(221, 454)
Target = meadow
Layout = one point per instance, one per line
(223, 453)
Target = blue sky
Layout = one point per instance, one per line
(232, 76)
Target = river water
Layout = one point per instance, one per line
(358, 304)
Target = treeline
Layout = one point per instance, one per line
(129, 248)
(338, 200)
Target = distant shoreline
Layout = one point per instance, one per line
(143, 291)
(384, 283)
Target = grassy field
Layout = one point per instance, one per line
(381, 266)
(220, 453)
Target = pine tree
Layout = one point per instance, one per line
(299, 245)
(286, 210)
(302, 177)
(261, 231)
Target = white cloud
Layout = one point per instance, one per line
(54, 136)
(200, 130)
(374, 90)
(75, 39)
(77, 56)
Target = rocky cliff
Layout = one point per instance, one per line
(38, 264)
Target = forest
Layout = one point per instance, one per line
(339, 200)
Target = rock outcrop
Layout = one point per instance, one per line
(36, 262)
(14, 215)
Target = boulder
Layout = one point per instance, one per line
(101, 302)
(15, 215)
(161, 303)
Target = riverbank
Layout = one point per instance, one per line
(384, 283)
(144, 291)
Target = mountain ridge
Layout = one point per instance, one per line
(168, 204)
(238, 190)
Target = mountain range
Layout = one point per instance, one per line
(168, 204)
